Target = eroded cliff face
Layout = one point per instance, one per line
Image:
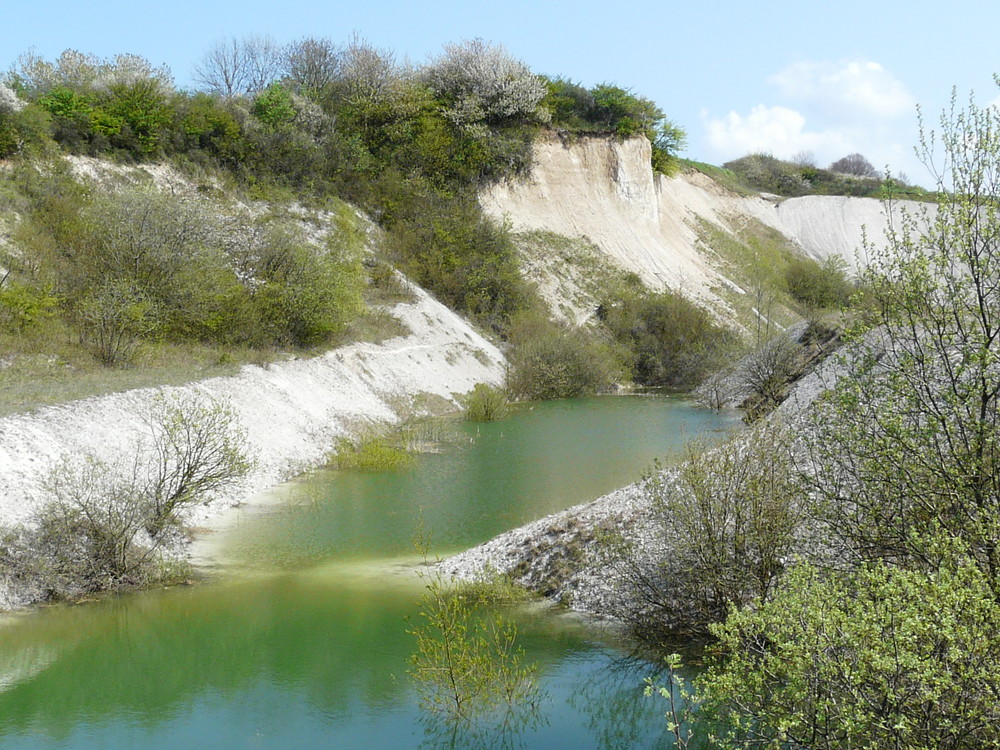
(604, 189)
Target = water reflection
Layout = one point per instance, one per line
(302, 642)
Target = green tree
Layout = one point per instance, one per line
(882, 657)
(625, 113)
(467, 664)
(669, 140)
(141, 111)
(907, 449)
(894, 641)
(274, 107)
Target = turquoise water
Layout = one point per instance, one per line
(300, 640)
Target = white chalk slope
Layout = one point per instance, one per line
(292, 411)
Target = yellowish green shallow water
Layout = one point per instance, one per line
(298, 639)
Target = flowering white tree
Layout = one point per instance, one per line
(9, 101)
(484, 84)
(84, 72)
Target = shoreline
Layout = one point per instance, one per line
(292, 412)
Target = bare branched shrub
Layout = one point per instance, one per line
(311, 66)
(105, 526)
(85, 73)
(724, 524)
(196, 448)
(854, 164)
(368, 74)
(234, 67)
(766, 372)
(114, 319)
(716, 391)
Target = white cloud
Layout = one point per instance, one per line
(849, 88)
(828, 108)
(777, 130)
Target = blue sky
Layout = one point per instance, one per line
(784, 77)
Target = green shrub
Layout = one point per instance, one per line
(671, 341)
(273, 106)
(23, 306)
(299, 294)
(623, 112)
(878, 657)
(669, 139)
(485, 403)
(819, 285)
(138, 114)
(204, 123)
(71, 114)
(467, 260)
(549, 360)
(570, 105)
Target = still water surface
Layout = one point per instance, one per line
(298, 639)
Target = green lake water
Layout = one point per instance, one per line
(298, 637)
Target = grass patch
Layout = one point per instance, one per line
(492, 589)
(386, 286)
(373, 326)
(572, 274)
(387, 448)
(727, 178)
(371, 454)
(57, 369)
(757, 259)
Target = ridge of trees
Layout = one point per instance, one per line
(851, 175)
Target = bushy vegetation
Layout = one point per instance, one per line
(726, 522)
(371, 453)
(606, 109)
(409, 145)
(554, 360)
(882, 656)
(819, 285)
(468, 665)
(670, 341)
(486, 403)
(133, 265)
